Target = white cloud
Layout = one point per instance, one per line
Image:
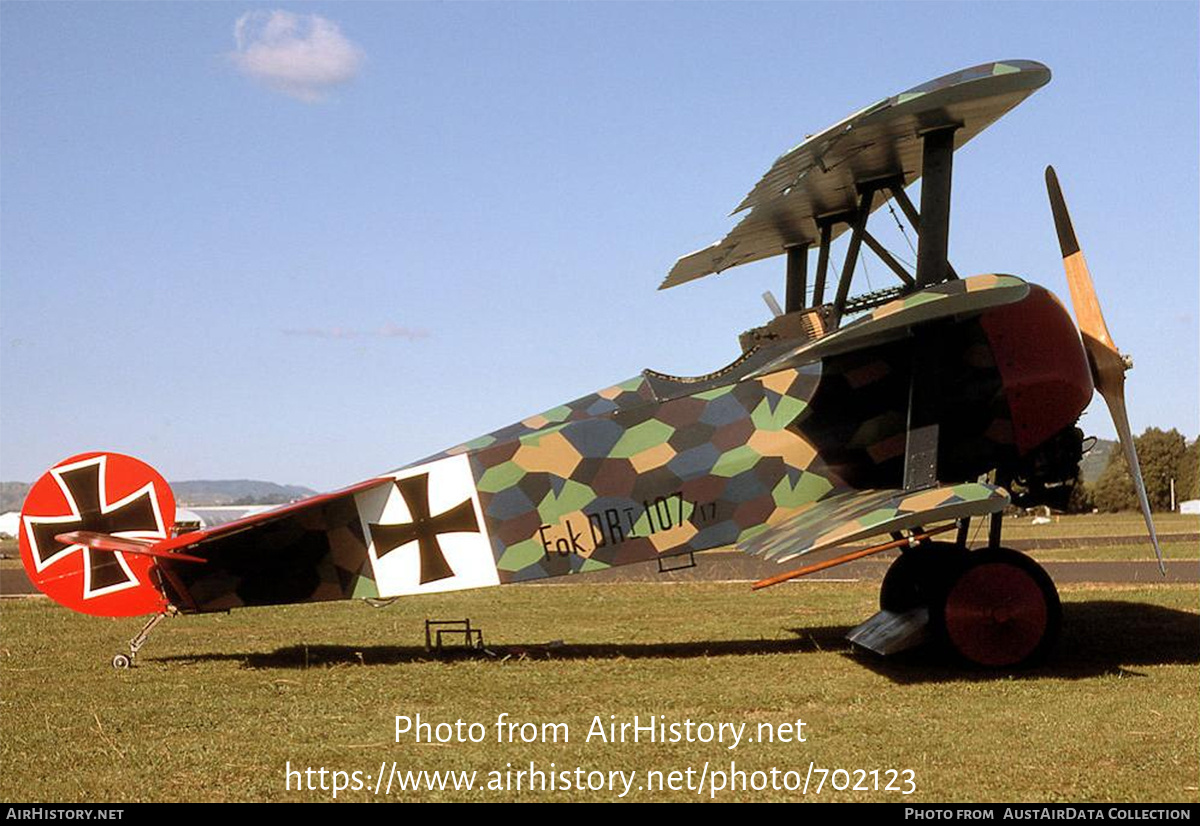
(302, 55)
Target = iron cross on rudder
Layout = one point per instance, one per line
(91, 511)
(424, 528)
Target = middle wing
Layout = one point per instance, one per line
(848, 517)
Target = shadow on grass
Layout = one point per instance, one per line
(311, 656)
(1098, 638)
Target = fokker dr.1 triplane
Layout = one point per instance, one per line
(869, 421)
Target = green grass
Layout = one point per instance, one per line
(1141, 552)
(219, 703)
(1099, 524)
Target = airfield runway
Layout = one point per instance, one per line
(734, 566)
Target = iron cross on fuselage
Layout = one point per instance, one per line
(424, 528)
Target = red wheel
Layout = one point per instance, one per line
(1001, 611)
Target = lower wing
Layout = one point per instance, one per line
(849, 517)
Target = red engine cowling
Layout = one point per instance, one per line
(1042, 363)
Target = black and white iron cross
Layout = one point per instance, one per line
(90, 511)
(424, 528)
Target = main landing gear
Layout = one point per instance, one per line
(991, 608)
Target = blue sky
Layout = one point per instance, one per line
(454, 215)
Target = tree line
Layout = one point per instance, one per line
(1164, 455)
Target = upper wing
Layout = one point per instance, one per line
(855, 515)
(820, 176)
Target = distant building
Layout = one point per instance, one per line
(10, 523)
(197, 517)
(189, 518)
(1191, 506)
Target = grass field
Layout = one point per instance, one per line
(1099, 524)
(1140, 552)
(219, 704)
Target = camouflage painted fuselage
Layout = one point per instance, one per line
(641, 470)
(658, 466)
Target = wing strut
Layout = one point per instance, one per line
(886, 257)
(933, 238)
(914, 217)
(933, 230)
(932, 225)
(797, 277)
(822, 262)
(921, 438)
(856, 237)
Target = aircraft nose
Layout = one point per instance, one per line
(1042, 364)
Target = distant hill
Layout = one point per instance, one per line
(236, 492)
(1096, 460)
(12, 494)
(195, 492)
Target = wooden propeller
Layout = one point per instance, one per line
(1107, 362)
